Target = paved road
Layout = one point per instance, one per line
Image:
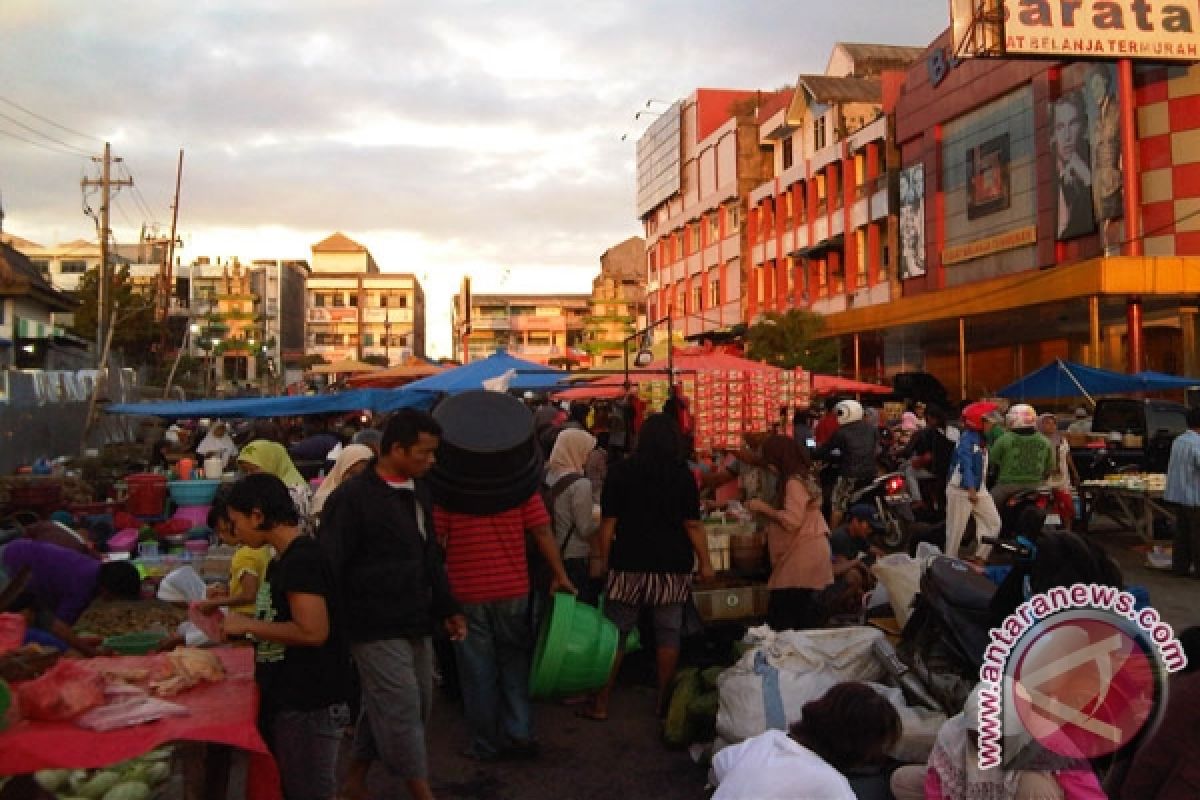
(621, 759)
(624, 759)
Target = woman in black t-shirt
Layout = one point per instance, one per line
(650, 538)
(299, 658)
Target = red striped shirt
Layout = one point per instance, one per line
(485, 555)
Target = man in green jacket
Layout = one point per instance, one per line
(1022, 456)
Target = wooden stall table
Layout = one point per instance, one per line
(218, 743)
(1132, 504)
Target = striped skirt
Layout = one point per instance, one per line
(648, 588)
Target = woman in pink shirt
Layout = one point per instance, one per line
(797, 536)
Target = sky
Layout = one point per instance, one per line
(449, 138)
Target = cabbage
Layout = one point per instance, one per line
(51, 779)
(128, 791)
(98, 785)
(158, 773)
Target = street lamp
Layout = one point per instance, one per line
(645, 355)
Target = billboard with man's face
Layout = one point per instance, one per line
(912, 222)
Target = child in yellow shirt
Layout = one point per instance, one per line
(247, 570)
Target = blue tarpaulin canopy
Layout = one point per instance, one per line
(529, 376)
(378, 400)
(1067, 379)
(1162, 381)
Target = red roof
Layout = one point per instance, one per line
(774, 102)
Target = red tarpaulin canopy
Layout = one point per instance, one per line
(832, 384)
(685, 361)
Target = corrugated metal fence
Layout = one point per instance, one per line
(42, 413)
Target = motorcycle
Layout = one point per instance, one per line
(889, 494)
(948, 631)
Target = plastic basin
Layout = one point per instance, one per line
(575, 650)
(134, 644)
(196, 515)
(124, 541)
(193, 492)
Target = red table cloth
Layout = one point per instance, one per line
(221, 713)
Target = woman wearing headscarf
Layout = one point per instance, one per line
(218, 442)
(262, 455)
(570, 501)
(352, 460)
(1061, 477)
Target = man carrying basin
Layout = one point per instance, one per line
(377, 529)
(485, 484)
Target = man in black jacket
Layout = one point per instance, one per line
(377, 529)
(854, 447)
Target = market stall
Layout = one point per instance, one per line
(221, 717)
(1135, 501)
(729, 395)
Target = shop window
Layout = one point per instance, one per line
(73, 267)
(787, 153)
(41, 265)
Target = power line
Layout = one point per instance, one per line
(42, 145)
(48, 121)
(44, 135)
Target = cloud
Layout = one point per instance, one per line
(468, 135)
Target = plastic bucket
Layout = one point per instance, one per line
(575, 649)
(213, 467)
(184, 468)
(147, 494)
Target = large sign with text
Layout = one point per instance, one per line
(1078, 28)
(1009, 240)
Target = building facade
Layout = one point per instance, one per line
(618, 306)
(822, 229)
(696, 165)
(547, 329)
(354, 310)
(29, 338)
(1030, 228)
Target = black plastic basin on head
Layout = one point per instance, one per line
(488, 460)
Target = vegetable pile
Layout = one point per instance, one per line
(135, 779)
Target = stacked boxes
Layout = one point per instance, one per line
(728, 403)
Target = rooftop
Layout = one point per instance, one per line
(825, 89)
(338, 243)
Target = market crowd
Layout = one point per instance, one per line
(400, 571)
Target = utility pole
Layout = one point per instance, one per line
(104, 278)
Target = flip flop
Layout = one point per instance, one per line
(591, 714)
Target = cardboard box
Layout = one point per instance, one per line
(726, 604)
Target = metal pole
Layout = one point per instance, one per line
(857, 359)
(1094, 331)
(1132, 178)
(670, 352)
(962, 358)
(1078, 385)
